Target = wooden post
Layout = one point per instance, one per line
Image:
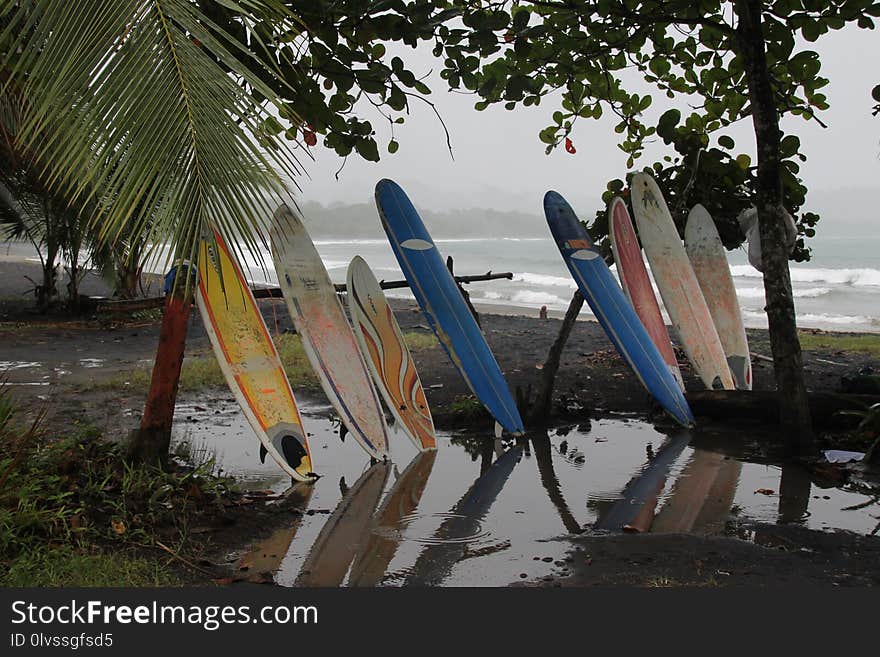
(544, 401)
(150, 443)
(464, 293)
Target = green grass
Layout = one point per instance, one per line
(467, 407)
(74, 513)
(417, 340)
(67, 566)
(865, 343)
(203, 371)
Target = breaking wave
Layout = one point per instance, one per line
(855, 277)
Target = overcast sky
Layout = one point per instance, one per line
(500, 163)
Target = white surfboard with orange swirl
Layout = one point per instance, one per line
(387, 355)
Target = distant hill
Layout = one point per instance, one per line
(361, 221)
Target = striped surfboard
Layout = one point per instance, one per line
(387, 355)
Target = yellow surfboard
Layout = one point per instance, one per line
(249, 359)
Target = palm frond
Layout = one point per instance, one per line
(138, 110)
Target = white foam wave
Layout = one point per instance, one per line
(758, 292)
(863, 277)
(332, 242)
(545, 280)
(816, 319)
(542, 298)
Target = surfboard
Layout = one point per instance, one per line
(264, 558)
(345, 531)
(635, 282)
(611, 308)
(706, 252)
(702, 496)
(387, 356)
(327, 337)
(248, 358)
(634, 510)
(387, 530)
(449, 544)
(448, 315)
(678, 284)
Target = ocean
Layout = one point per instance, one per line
(839, 289)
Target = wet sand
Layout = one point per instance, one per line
(593, 384)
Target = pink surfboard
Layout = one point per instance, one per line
(635, 282)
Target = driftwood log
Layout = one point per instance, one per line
(764, 405)
(134, 305)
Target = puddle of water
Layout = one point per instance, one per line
(483, 512)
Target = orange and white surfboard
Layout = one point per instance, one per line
(390, 362)
(706, 252)
(248, 358)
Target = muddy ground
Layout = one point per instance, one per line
(592, 382)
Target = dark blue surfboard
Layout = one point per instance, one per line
(435, 290)
(612, 309)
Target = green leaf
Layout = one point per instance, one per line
(367, 149)
(666, 124)
(181, 149)
(789, 145)
(726, 142)
(393, 146)
(744, 161)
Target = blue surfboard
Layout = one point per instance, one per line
(612, 309)
(435, 290)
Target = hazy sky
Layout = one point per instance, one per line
(500, 163)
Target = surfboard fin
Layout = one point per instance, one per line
(263, 452)
(498, 430)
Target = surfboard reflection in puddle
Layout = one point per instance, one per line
(634, 510)
(387, 529)
(264, 559)
(345, 531)
(700, 500)
(450, 542)
(702, 496)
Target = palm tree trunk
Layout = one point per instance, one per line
(784, 343)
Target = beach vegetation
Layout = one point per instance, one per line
(201, 371)
(73, 513)
(418, 340)
(867, 343)
(467, 407)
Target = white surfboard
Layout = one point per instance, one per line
(707, 256)
(678, 284)
(327, 337)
